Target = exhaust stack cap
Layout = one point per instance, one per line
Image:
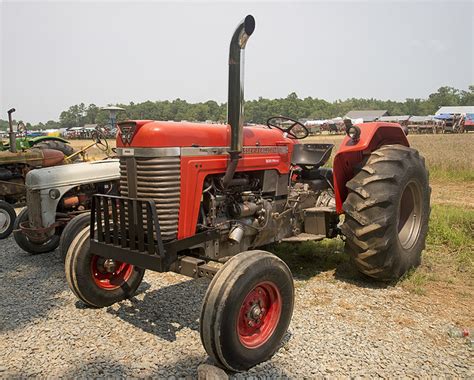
(249, 27)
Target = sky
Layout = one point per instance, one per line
(57, 54)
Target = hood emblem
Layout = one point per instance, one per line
(126, 133)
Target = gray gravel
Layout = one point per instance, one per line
(339, 329)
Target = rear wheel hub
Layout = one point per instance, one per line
(409, 220)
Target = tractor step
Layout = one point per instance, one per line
(304, 237)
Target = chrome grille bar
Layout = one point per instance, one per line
(159, 179)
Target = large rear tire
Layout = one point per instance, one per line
(66, 149)
(387, 212)
(96, 281)
(50, 244)
(7, 219)
(247, 310)
(72, 229)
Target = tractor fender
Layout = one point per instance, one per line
(351, 154)
(39, 139)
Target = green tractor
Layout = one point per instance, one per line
(17, 157)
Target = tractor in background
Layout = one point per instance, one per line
(17, 158)
(24, 155)
(203, 200)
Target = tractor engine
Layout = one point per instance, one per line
(287, 193)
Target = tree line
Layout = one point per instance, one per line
(256, 111)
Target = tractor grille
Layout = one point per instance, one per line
(158, 179)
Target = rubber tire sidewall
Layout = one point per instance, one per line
(81, 282)
(72, 229)
(411, 257)
(236, 284)
(391, 257)
(63, 147)
(11, 212)
(24, 243)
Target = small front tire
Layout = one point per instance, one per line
(72, 229)
(50, 244)
(95, 280)
(247, 310)
(7, 219)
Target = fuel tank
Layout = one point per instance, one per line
(33, 157)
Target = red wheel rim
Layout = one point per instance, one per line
(259, 315)
(114, 277)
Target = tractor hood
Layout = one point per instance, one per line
(73, 174)
(157, 134)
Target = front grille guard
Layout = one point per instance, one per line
(128, 230)
(129, 225)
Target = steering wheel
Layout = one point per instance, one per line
(295, 131)
(100, 140)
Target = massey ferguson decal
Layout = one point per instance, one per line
(265, 149)
(126, 133)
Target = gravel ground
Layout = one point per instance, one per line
(339, 329)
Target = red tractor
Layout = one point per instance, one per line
(200, 200)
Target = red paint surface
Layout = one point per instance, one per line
(350, 155)
(52, 157)
(106, 280)
(165, 134)
(254, 333)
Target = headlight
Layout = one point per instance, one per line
(54, 193)
(353, 132)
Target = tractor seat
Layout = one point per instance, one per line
(314, 155)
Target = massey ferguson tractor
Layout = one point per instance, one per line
(200, 200)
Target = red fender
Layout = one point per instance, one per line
(351, 154)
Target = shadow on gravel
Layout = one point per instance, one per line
(185, 367)
(309, 259)
(165, 311)
(29, 285)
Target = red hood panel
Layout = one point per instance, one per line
(155, 134)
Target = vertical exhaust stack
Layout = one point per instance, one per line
(235, 101)
(11, 132)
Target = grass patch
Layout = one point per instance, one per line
(308, 259)
(449, 256)
(452, 230)
(454, 174)
(415, 281)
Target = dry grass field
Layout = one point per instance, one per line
(447, 272)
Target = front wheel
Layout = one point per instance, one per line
(72, 229)
(97, 281)
(386, 213)
(7, 219)
(247, 310)
(49, 244)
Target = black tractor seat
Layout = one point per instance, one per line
(311, 155)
